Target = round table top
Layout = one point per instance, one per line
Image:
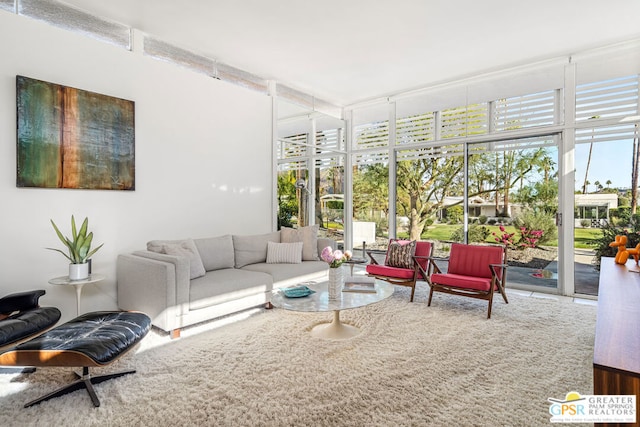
(319, 301)
(64, 280)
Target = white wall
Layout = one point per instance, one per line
(203, 161)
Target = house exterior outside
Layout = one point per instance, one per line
(594, 207)
(479, 207)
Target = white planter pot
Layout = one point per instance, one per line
(79, 271)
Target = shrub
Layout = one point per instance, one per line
(531, 220)
(287, 209)
(623, 214)
(584, 223)
(477, 234)
(482, 219)
(492, 221)
(455, 214)
(609, 233)
(529, 238)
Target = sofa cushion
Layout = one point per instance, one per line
(216, 252)
(252, 249)
(184, 248)
(227, 284)
(292, 274)
(307, 235)
(287, 253)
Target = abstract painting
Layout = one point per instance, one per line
(73, 138)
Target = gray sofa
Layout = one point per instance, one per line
(184, 282)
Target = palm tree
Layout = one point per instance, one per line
(586, 172)
(635, 159)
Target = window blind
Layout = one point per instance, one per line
(451, 150)
(526, 111)
(513, 144)
(329, 162)
(372, 135)
(464, 121)
(415, 129)
(619, 132)
(292, 146)
(329, 141)
(292, 166)
(370, 158)
(606, 99)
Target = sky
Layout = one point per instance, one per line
(609, 161)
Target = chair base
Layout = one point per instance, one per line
(397, 282)
(487, 296)
(85, 381)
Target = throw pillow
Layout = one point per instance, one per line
(184, 248)
(307, 235)
(216, 252)
(252, 249)
(400, 253)
(285, 253)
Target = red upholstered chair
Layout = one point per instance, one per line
(418, 267)
(475, 271)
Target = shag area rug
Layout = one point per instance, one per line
(412, 365)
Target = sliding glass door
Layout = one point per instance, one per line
(503, 192)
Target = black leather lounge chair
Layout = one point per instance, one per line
(21, 317)
(94, 339)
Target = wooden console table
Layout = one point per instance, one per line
(616, 353)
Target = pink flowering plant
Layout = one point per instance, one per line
(530, 238)
(334, 258)
(504, 237)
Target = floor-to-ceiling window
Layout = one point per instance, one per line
(504, 190)
(310, 171)
(542, 158)
(370, 172)
(606, 173)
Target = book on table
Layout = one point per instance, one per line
(359, 284)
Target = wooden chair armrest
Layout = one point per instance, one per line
(434, 265)
(425, 271)
(502, 267)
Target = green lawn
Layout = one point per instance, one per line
(584, 237)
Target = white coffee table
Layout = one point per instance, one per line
(319, 302)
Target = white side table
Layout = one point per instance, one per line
(78, 284)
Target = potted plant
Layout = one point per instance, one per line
(79, 249)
